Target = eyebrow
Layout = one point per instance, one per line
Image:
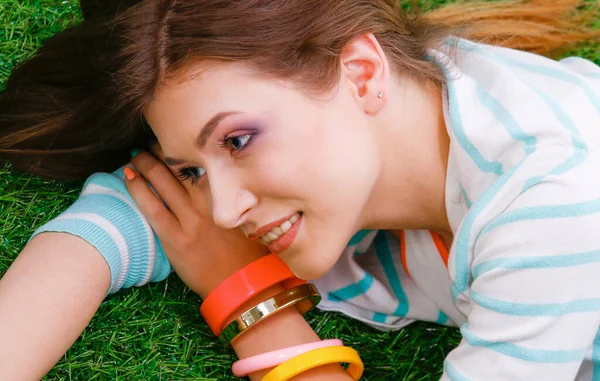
(173, 161)
(210, 126)
(204, 134)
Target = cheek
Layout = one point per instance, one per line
(282, 162)
(345, 159)
(319, 158)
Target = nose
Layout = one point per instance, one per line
(230, 200)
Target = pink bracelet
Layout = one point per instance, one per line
(267, 360)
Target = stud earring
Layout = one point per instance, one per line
(380, 95)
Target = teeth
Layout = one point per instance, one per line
(278, 231)
(286, 226)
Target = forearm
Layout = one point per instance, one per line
(284, 329)
(47, 298)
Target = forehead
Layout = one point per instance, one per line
(207, 89)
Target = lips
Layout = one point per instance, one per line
(284, 241)
(267, 228)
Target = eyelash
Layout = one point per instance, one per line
(225, 141)
(186, 173)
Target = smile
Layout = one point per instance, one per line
(280, 238)
(280, 230)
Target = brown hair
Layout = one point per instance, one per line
(77, 106)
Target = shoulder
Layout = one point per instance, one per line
(516, 113)
(106, 216)
(109, 183)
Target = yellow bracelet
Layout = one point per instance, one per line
(316, 358)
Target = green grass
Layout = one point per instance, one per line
(155, 332)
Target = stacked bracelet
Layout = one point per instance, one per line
(304, 297)
(243, 285)
(253, 279)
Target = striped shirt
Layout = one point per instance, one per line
(522, 278)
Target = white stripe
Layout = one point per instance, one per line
(99, 189)
(114, 233)
(429, 273)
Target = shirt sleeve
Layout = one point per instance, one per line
(534, 275)
(106, 216)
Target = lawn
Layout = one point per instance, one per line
(155, 332)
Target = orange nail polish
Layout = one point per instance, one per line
(129, 173)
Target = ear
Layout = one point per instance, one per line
(366, 71)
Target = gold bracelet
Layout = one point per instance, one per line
(304, 297)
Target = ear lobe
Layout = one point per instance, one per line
(365, 68)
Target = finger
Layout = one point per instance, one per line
(163, 222)
(198, 199)
(168, 188)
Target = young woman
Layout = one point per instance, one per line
(409, 174)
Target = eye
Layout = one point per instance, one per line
(238, 143)
(191, 173)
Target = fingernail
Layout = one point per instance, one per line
(134, 152)
(129, 173)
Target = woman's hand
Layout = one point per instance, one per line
(202, 254)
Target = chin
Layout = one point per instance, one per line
(309, 266)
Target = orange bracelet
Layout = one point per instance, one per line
(243, 285)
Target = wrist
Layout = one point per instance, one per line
(254, 300)
(282, 330)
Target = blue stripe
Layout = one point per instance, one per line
(578, 157)
(592, 75)
(463, 241)
(465, 196)
(358, 237)
(387, 263)
(580, 153)
(596, 358)
(524, 309)
(162, 267)
(454, 291)
(506, 119)
(540, 262)
(378, 317)
(539, 69)
(116, 181)
(544, 212)
(352, 290)
(460, 135)
(563, 117)
(522, 353)
(442, 318)
(127, 222)
(452, 373)
(558, 74)
(464, 237)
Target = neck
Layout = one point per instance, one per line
(410, 191)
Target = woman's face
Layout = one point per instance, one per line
(291, 170)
